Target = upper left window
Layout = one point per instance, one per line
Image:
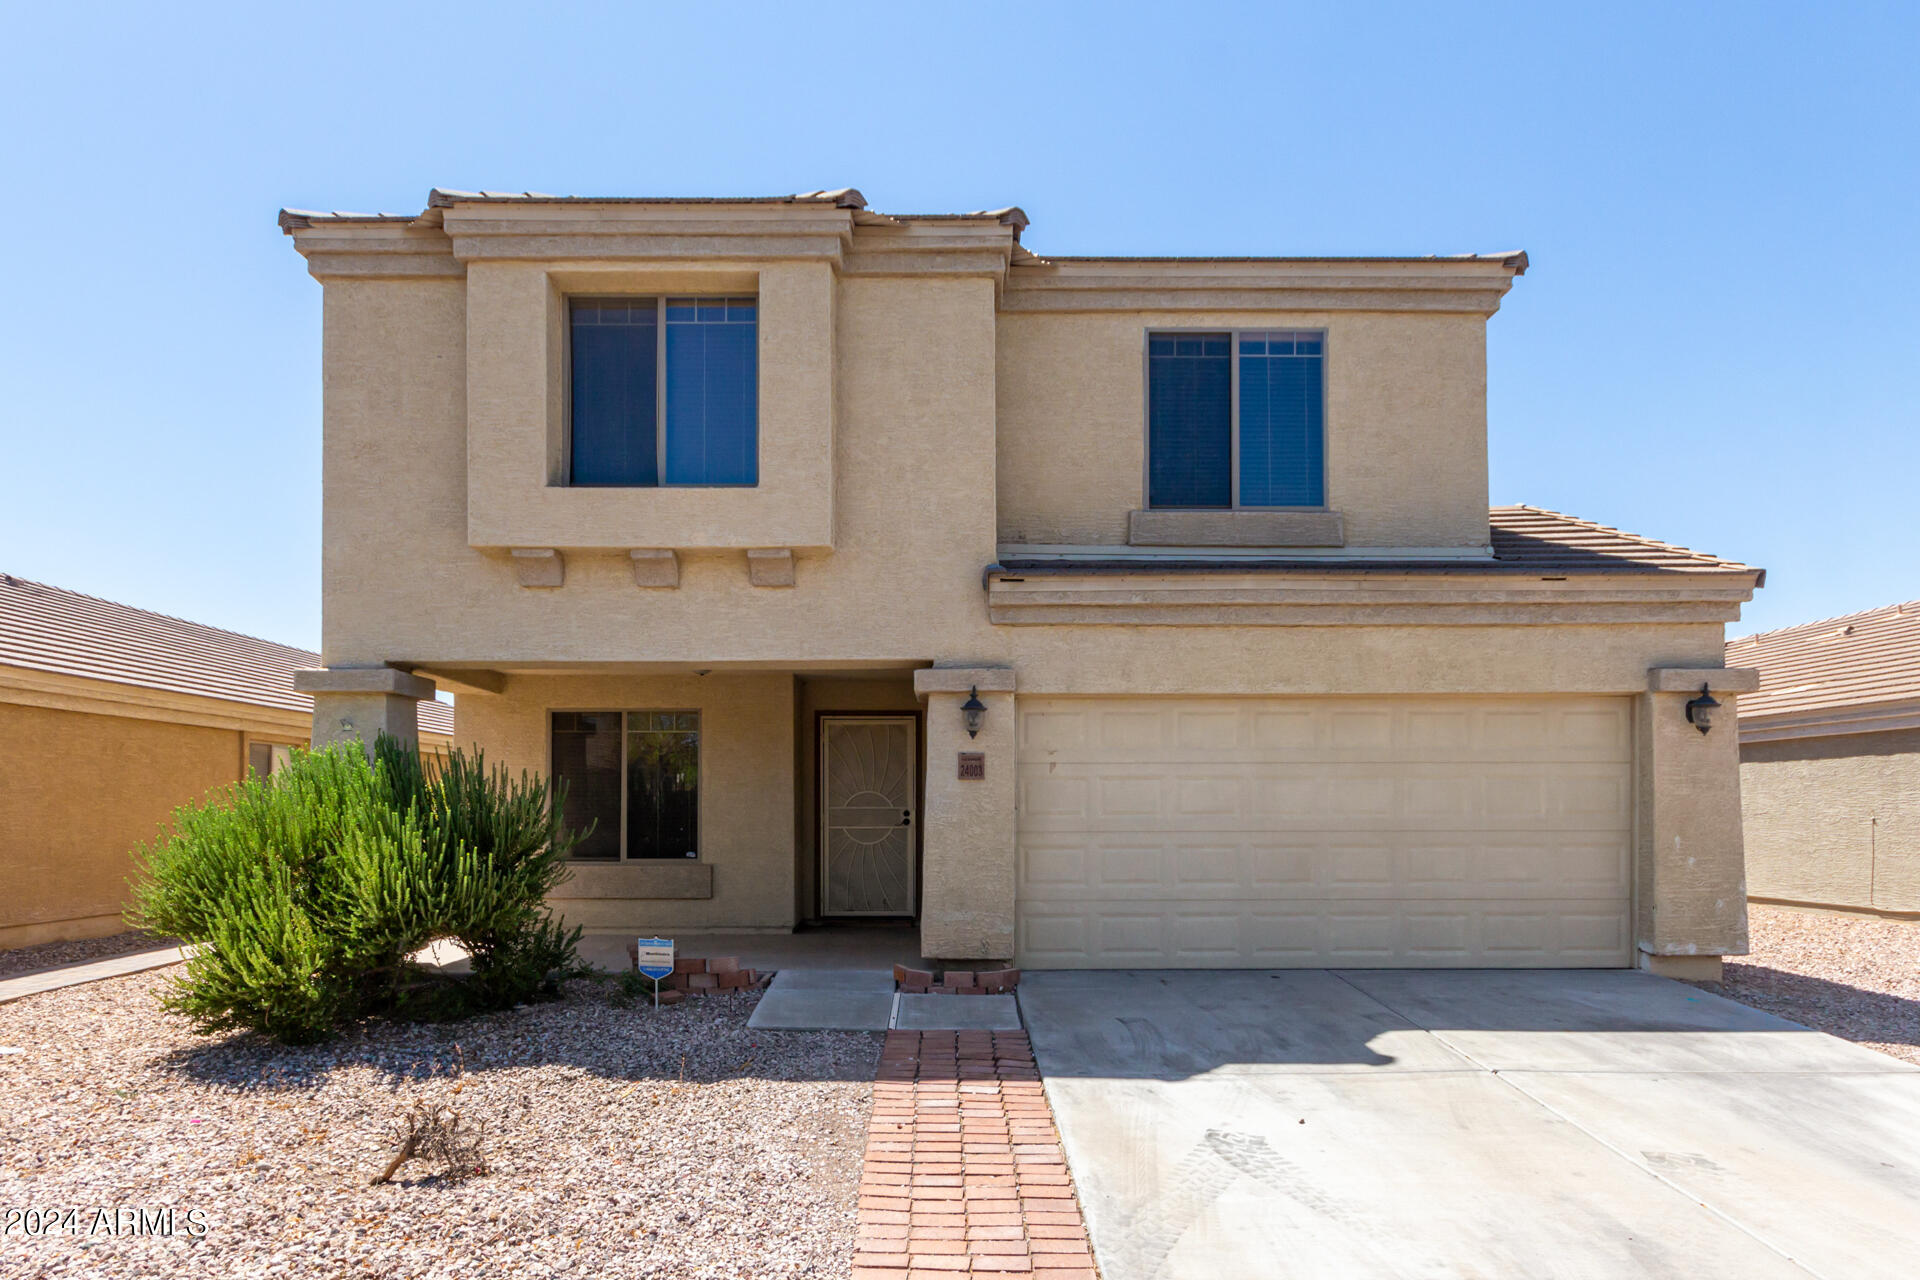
(664, 391)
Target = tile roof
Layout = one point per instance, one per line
(443, 198)
(1859, 660)
(1527, 541)
(45, 628)
(1535, 538)
(446, 198)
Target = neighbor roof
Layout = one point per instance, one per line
(1858, 660)
(45, 628)
(1525, 540)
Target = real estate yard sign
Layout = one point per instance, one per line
(655, 959)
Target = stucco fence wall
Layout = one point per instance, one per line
(1834, 821)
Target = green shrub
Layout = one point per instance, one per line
(311, 889)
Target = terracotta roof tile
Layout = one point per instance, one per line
(48, 629)
(1858, 660)
(1527, 541)
(1537, 538)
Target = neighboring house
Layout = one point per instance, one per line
(110, 719)
(1088, 611)
(1830, 761)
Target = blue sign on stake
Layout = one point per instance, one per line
(654, 958)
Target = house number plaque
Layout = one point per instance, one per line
(973, 766)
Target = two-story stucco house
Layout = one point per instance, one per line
(1090, 611)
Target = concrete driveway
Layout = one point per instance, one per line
(1578, 1124)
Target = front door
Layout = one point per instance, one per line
(867, 766)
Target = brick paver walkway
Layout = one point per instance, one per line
(964, 1171)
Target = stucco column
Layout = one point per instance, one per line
(967, 847)
(1691, 874)
(358, 704)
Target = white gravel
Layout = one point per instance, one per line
(1857, 977)
(604, 1161)
(51, 955)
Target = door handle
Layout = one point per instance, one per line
(906, 817)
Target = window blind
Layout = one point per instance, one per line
(1281, 437)
(614, 391)
(1190, 420)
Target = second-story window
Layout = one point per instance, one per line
(1236, 419)
(664, 391)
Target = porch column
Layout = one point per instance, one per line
(358, 704)
(967, 846)
(1691, 875)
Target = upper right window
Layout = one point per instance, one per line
(1236, 419)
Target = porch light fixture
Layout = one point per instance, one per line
(974, 711)
(1700, 710)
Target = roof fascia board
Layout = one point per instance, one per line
(1831, 722)
(606, 230)
(59, 691)
(1336, 597)
(1461, 285)
(390, 249)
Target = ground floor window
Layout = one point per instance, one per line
(632, 782)
(267, 758)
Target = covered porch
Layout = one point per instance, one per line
(747, 806)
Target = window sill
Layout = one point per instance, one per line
(667, 878)
(1244, 528)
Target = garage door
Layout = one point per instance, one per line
(1307, 831)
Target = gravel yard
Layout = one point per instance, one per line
(604, 1159)
(1857, 977)
(51, 955)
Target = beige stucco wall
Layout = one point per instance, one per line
(969, 849)
(914, 515)
(1690, 872)
(1834, 820)
(746, 791)
(957, 424)
(1406, 427)
(516, 407)
(394, 499)
(79, 794)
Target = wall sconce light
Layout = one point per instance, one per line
(1700, 710)
(973, 711)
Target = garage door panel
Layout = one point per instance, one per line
(1337, 932)
(1240, 795)
(1315, 730)
(1324, 831)
(1410, 865)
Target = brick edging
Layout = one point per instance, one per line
(964, 1170)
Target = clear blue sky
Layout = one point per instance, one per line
(1718, 343)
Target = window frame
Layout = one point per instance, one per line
(659, 301)
(700, 765)
(1234, 333)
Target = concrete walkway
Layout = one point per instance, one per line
(864, 1000)
(1583, 1125)
(73, 975)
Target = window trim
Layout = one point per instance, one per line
(1233, 333)
(700, 764)
(659, 301)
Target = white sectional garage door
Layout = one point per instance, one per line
(1269, 832)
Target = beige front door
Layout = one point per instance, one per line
(867, 766)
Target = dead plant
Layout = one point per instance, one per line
(437, 1133)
